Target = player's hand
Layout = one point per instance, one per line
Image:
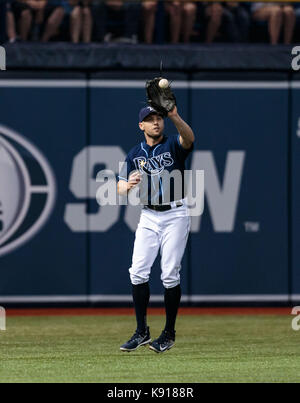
(134, 180)
(174, 112)
(161, 99)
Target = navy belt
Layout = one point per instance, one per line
(163, 207)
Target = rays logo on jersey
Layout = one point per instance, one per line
(154, 165)
(27, 190)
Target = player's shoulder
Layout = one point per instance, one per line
(174, 139)
(136, 150)
(169, 139)
(175, 142)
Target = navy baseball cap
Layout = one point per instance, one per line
(146, 112)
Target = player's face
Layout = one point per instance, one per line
(153, 125)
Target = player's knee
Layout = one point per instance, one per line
(170, 275)
(171, 279)
(138, 278)
(171, 283)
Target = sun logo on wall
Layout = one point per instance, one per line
(27, 190)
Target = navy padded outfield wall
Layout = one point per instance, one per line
(53, 120)
(295, 188)
(58, 130)
(242, 138)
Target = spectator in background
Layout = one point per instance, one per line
(213, 14)
(54, 15)
(297, 24)
(182, 19)
(99, 19)
(10, 25)
(149, 14)
(236, 22)
(127, 16)
(81, 22)
(29, 21)
(29, 14)
(2, 21)
(277, 15)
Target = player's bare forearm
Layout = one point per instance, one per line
(124, 187)
(187, 136)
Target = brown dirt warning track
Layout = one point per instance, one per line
(151, 311)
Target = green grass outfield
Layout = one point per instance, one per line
(261, 348)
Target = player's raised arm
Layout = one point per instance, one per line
(162, 99)
(187, 136)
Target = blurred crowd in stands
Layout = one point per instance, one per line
(147, 21)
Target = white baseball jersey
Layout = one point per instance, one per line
(164, 231)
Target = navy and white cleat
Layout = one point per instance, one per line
(164, 342)
(136, 341)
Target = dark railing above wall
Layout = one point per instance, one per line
(184, 58)
(254, 55)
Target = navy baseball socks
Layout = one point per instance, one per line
(141, 337)
(172, 301)
(167, 338)
(141, 296)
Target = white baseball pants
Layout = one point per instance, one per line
(165, 231)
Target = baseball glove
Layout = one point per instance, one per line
(162, 100)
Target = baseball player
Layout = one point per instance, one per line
(163, 226)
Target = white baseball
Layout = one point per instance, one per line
(164, 83)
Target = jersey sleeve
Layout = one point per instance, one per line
(126, 168)
(180, 151)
